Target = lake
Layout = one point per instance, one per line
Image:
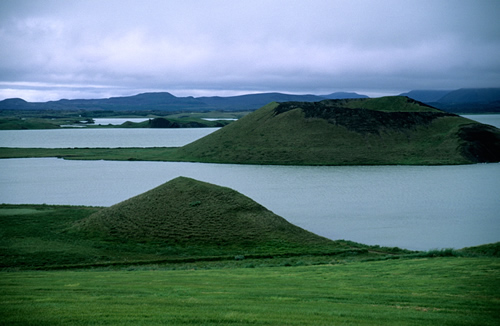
(101, 137)
(414, 207)
(491, 119)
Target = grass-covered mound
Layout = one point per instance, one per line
(387, 130)
(186, 211)
(43, 237)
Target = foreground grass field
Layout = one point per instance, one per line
(435, 291)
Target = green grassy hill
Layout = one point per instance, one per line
(187, 211)
(180, 222)
(387, 130)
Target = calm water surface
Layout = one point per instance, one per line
(111, 138)
(491, 119)
(415, 207)
(116, 121)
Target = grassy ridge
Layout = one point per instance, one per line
(265, 137)
(188, 211)
(389, 104)
(441, 291)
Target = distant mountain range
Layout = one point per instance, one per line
(164, 101)
(465, 100)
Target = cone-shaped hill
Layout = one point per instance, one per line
(387, 130)
(186, 211)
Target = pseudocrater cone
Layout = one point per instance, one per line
(377, 131)
(188, 211)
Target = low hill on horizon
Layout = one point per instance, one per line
(186, 211)
(387, 130)
(342, 95)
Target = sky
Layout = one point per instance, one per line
(54, 49)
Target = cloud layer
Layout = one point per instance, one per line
(56, 49)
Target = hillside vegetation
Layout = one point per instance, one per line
(387, 130)
(188, 211)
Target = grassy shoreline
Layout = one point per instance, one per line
(111, 154)
(169, 154)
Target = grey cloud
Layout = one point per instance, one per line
(231, 46)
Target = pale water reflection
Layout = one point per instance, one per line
(415, 207)
(102, 137)
(491, 119)
(117, 121)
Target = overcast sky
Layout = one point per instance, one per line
(96, 49)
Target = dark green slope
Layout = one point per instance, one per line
(387, 130)
(185, 211)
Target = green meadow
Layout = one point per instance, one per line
(437, 291)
